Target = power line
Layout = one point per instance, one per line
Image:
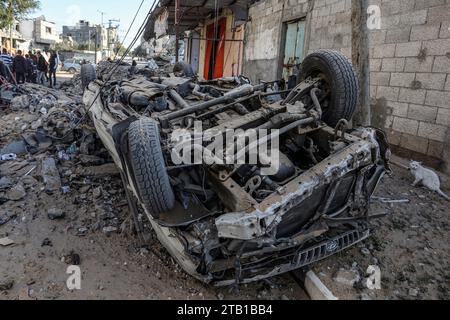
(114, 68)
(131, 25)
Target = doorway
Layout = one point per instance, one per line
(294, 47)
(194, 52)
(215, 49)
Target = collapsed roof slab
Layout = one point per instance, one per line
(191, 13)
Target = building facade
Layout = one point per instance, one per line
(87, 35)
(409, 58)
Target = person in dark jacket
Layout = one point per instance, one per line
(20, 67)
(42, 68)
(53, 66)
(29, 74)
(3, 71)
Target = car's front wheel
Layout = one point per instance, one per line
(149, 167)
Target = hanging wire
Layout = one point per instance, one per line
(114, 68)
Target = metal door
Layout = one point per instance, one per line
(195, 51)
(294, 47)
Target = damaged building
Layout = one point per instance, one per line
(268, 39)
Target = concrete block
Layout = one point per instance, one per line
(316, 289)
(393, 64)
(397, 35)
(394, 137)
(432, 131)
(373, 91)
(414, 143)
(419, 65)
(438, 99)
(380, 78)
(402, 79)
(412, 96)
(395, 7)
(375, 65)
(447, 83)
(377, 36)
(425, 32)
(443, 117)
(435, 149)
(439, 47)
(431, 81)
(442, 64)
(384, 51)
(423, 4)
(413, 18)
(439, 14)
(388, 93)
(399, 109)
(405, 125)
(338, 7)
(422, 113)
(408, 49)
(445, 30)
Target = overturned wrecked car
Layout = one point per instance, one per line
(225, 219)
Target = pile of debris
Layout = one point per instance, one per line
(48, 145)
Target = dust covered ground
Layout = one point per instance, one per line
(89, 224)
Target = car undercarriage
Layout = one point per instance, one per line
(234, 222)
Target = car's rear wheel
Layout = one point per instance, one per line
(87, 74)
(149, 167)
(339, 81)
(72, 71)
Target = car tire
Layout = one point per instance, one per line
(149, 168)
(88, 74)
(340, 77)
(72, 71)
(184, 68)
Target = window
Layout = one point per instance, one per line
(48, 30)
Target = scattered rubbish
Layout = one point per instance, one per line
(4, 219)
(15, 148)
(347, 277)
(6, 285)
(55, 214)
(47, 243)
(72, 259)
(50, 175)
(109, 230)
(5, 183)
(388, 200)
(8, 157)
(16, 193)
(65, 189)
(5, 242)
(413, 293)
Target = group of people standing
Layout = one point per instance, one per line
(32, 67)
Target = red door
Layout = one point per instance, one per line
(215, 50)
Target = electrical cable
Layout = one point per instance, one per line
(129, 28)
(114, 68)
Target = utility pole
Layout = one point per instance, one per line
(11, 16)
(177, 23)
(360, 59)
(102, 13)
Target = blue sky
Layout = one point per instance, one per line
(68, 12)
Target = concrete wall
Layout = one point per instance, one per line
(410, 76)
(409, 56)
(264, 36)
